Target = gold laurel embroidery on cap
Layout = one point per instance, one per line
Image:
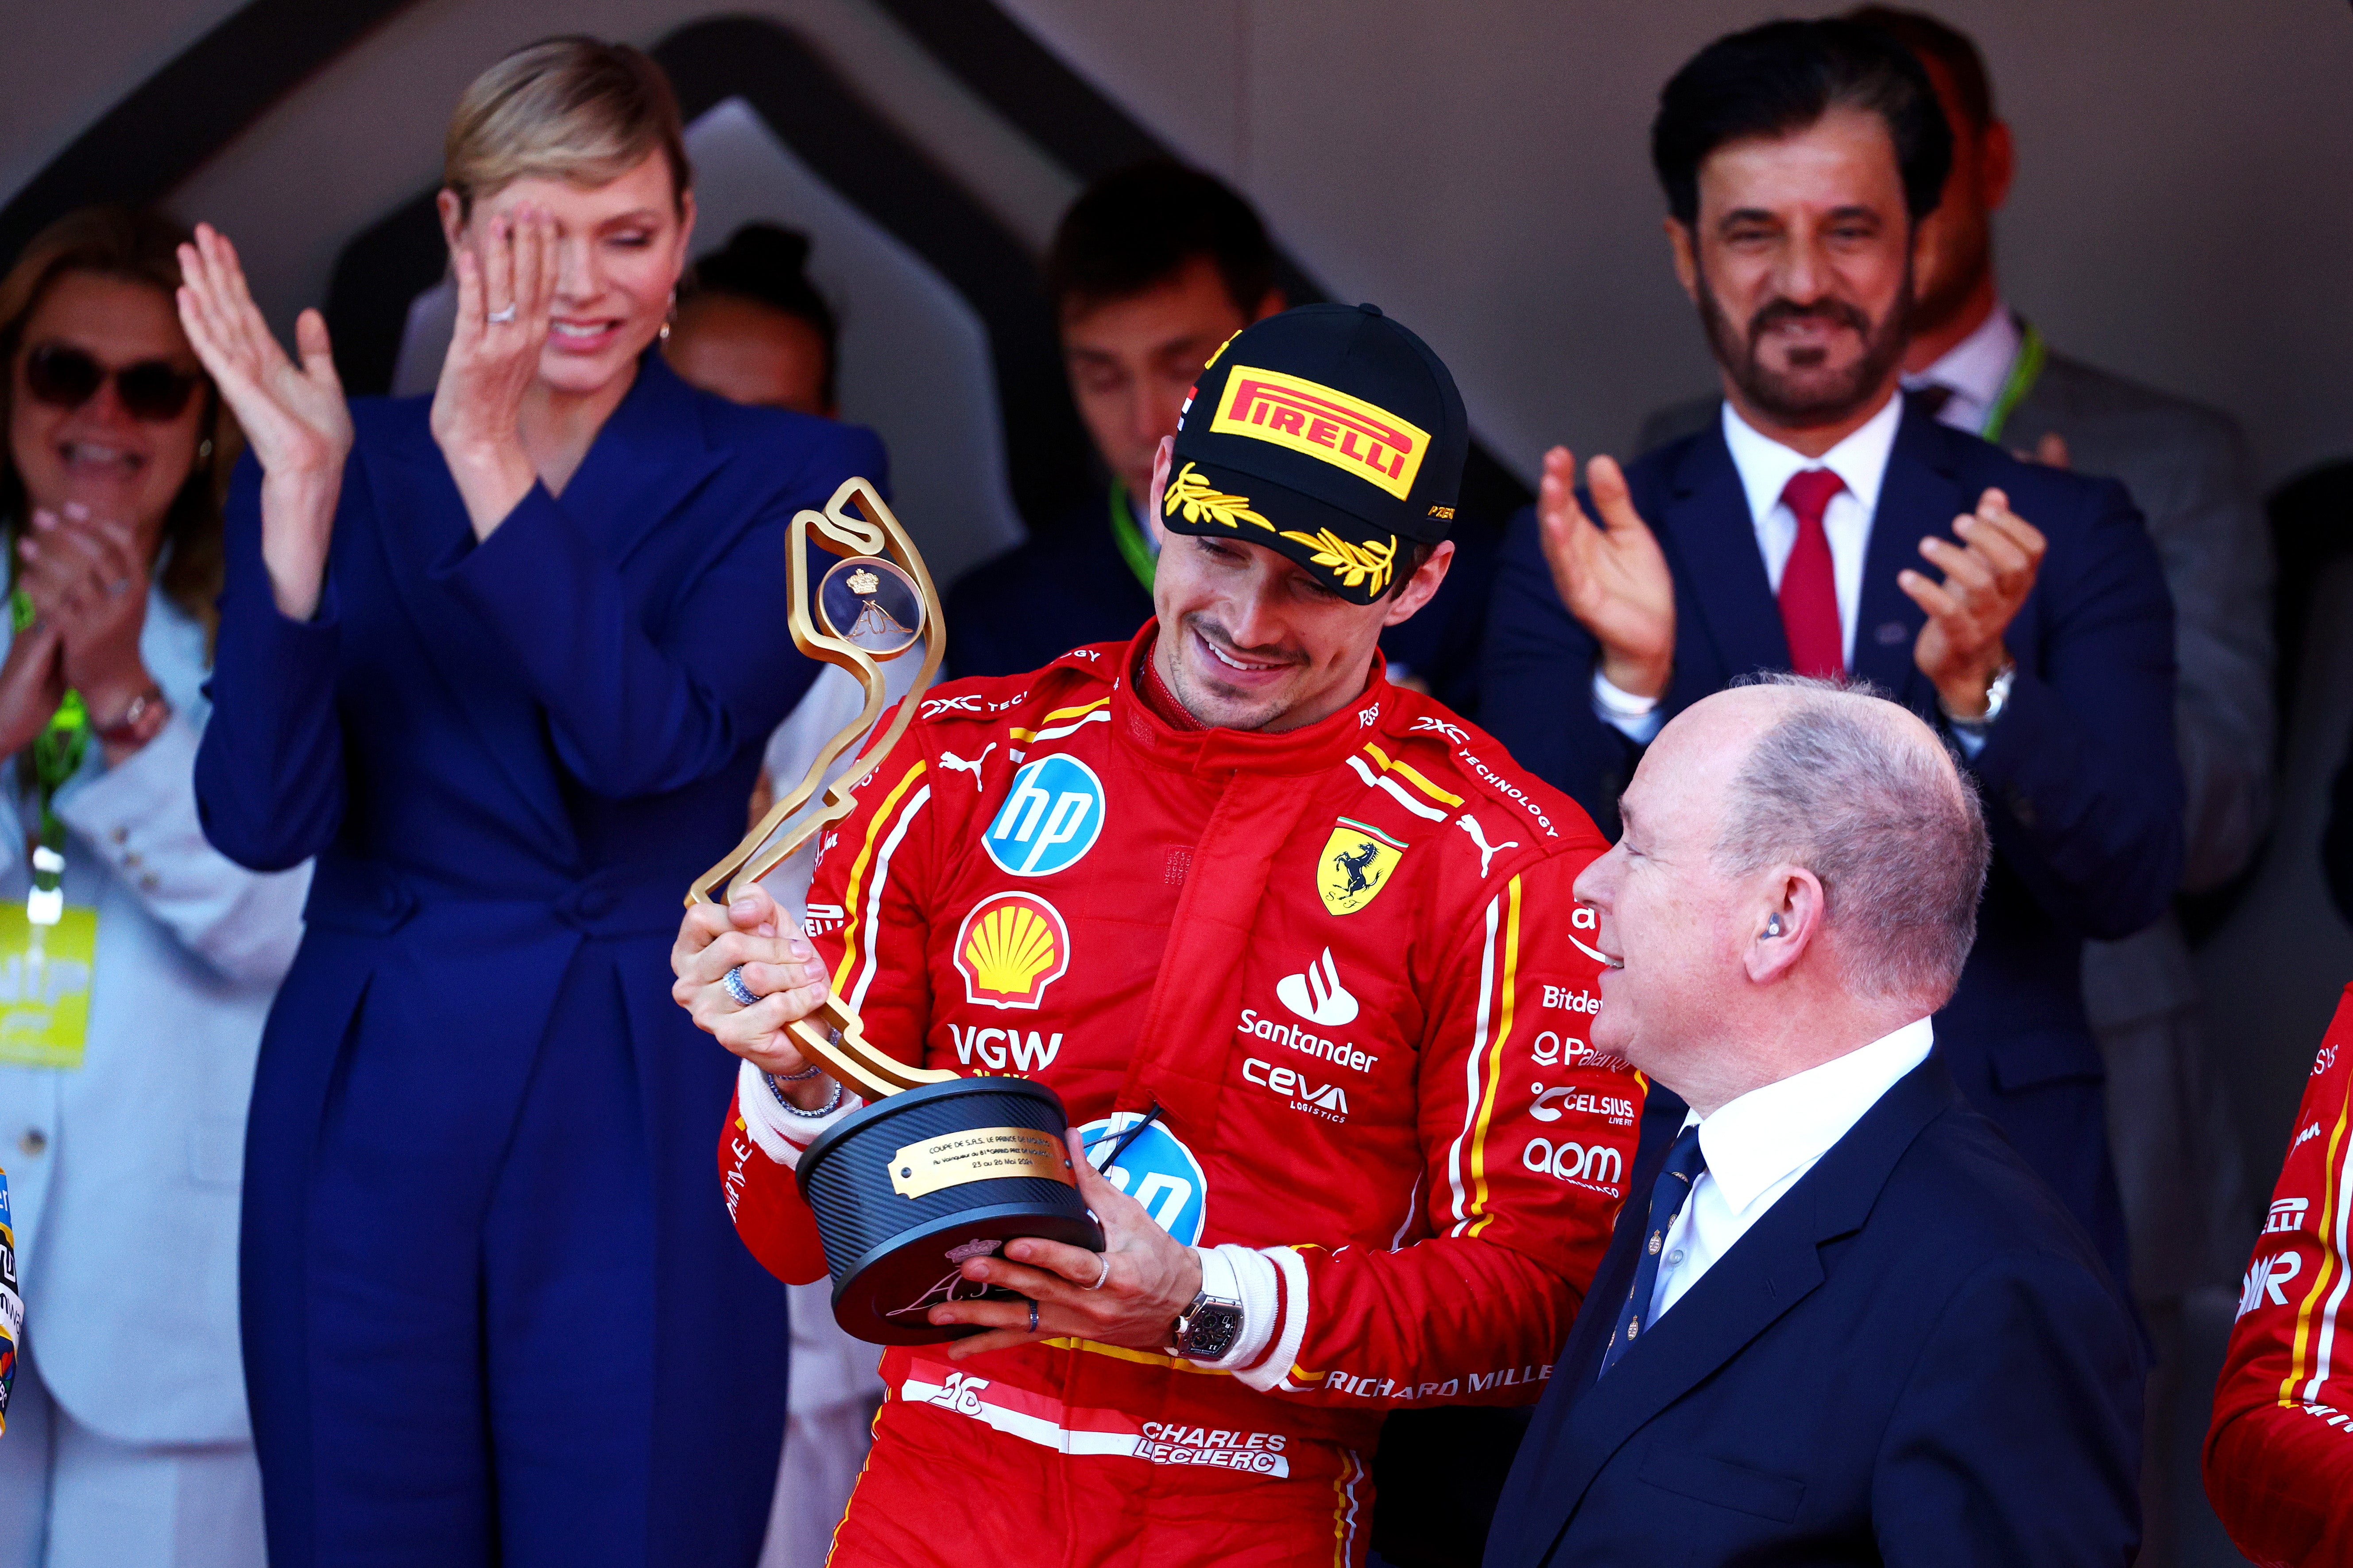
(1192, 491)
(1354, 562)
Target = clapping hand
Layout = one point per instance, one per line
(1986, 577)
(1614, 579)
(1128, 1294)
(293, 415)
(88, 580)
(507, 266)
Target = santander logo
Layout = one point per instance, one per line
(1317, 995)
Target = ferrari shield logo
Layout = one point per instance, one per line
(1356, 866)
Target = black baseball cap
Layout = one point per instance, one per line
(1328, 433)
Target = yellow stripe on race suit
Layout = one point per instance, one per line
(857, 872)
(2311, 1351)
(1495, 1060)
(1141, 1358)
(1410, 771)
(1344, 1510)
(1044, 725)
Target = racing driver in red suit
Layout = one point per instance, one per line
(2279, 1457)
(1298, 945)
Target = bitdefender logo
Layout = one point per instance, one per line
(1317, 995)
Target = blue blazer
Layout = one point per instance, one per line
(2080, 778)
(509, 759)
(1915, 1356)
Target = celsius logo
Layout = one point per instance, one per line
(1318, 995)
(1153, 1168)
(1050, 821)
(1011, 947)
(1550, 1104)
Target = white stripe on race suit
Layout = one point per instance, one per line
(1471, 1071)
(1380, 780)
(1100, 716)
(874, 893)
(964, 1395)
(2324, 1353)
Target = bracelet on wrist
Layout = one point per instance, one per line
(140, 720)
(803, 1076)
(831, 1105)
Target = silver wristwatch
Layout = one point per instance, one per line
(1997, 694)
(1208, 1329)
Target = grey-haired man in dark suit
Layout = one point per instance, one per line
(1989, 371)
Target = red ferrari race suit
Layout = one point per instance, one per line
(2279, 1457)
(1345, 965)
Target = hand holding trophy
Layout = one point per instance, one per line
(937, 1168)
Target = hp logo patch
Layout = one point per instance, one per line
(1050, 821)
(1155, 1169)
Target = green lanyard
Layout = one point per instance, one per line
(57, 753)
(1130, 538)
(2024, 369)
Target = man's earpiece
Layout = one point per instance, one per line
(1773, 925)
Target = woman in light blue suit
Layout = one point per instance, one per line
(503, 660)
(122, 1133)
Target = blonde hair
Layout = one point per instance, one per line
(574, 108)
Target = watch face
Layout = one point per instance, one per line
(1212, 1330)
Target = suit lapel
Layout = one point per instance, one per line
(1777, 1265)
(1919, 495)
(648, 461)
(1710, 543)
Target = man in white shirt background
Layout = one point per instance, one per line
(1979, 366)
(1820, 522)
(1840, 1321)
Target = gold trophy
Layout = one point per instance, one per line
(936, 1167)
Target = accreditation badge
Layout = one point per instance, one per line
(45, 973)
(11, 1303)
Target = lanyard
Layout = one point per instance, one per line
(1130, 538)
(2023, 371)
(57, 753)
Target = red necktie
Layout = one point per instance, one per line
(1810, 608)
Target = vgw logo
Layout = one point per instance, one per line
(1050, 821)
(1153, 1168)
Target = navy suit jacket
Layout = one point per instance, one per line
(1913, 1356)
(509, 759)
(2081, 782)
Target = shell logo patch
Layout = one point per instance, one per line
(1357, 863)
(1348, 433)
(1011, 947)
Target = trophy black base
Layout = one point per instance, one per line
(908, 1188)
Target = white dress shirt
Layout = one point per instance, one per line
(1765, 467)
(1974, 371)
(1759, 1146)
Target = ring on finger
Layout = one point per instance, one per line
(1033, 1316)
(1104, 1260)
(734, 982)
(502, 316)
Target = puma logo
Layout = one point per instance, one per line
(956, 764)
(1487, 852)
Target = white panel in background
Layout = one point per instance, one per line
(915, 361)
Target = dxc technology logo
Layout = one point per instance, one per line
(1049, 821)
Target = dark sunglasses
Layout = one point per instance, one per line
(152, 390)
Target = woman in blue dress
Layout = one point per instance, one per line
(503, 660)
